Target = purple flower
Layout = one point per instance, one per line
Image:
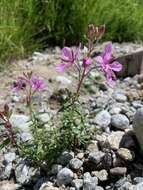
(107, 67)
(87, 61)
(37, 83)
(68, 58)
(19, 85)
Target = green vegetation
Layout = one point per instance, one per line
(28, 25)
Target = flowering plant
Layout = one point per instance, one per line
(73, 130)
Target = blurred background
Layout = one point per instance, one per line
(31, 25)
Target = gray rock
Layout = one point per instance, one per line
(121, 182)
(115, 110)
(119, 97)
(99, 188)
(9, 185)
(118, 171)
(63, 80)
(80, 155)
(7, 171)
(20, 122)
(75, 163)
(77, 183)
(125, 154)
(93, 146)
(103, 118)
(139, 186)
(64, 177)
(138, 126)
(9, 157)
(48, 186)
(89, 183)
(120, 121)
(102, 175)
(126, 186)
(56, 168)
(96, 157)
(115, 139)
(65, 158)
(22, 173)
(137, 180)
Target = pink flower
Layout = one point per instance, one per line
(69, 56)
(19, 85)
(108, 67)
(37, 83)
(87, 61)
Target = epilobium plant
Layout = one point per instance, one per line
(73, 120)
(73, 130)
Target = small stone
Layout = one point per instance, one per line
(8, 185)
(64, 177)
(115, 139)
(21, 122)
(77, 183)
(65, 158)
(22, 173)
(93, 146)
(139, 186)
(120, 121)
(125, 154)
(115, 110)
(137, 180)
(102, 175)
(120, 97)
(63, 80)
(99, 188)
(56, 168)
(75, 163)
(96, 157)
(48, 186)
(9, 157)
(89, 183)
(80, 155)
(126, 186)
(103, 118)
(118, 171)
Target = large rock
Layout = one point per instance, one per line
(138, 126)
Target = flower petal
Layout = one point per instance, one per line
(108, 48)
(61, 67)
(116, 66)
(99, 59)
(67, 53)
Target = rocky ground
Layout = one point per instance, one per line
(112, 161)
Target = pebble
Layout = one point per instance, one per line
(125, 154)
(118, 171)
(96, 157)
(75, 164)
(89, 183)
(65, 158)
(119, 97)
(64, 176)
(77, 183)
(115, 139)
(120, 121)
(9, 157)
(103, 118)
(102, 175)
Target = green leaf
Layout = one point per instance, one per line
(4, 143)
